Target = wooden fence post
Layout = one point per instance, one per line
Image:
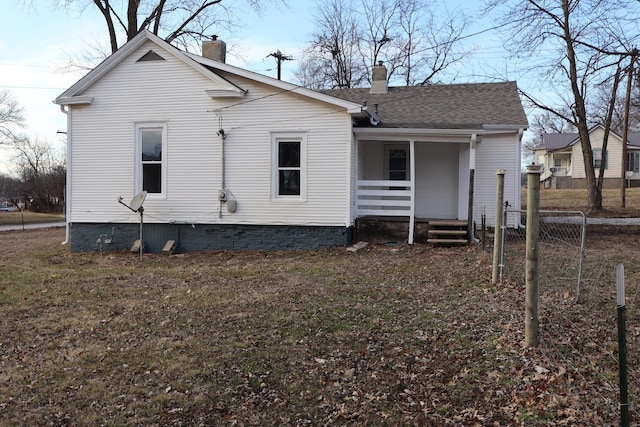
(497, 234)
(532, 267)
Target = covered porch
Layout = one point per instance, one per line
(419, 179)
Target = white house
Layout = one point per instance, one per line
(231, 159)
(561, 156)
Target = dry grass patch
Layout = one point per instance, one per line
(17, 218)
(572, 199)
(392, 335)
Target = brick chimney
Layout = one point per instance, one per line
(379, 80)
(214, 49)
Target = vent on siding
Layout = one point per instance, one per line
(150, 56)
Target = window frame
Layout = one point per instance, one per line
(632, 163)
(288, 136)
(606, 158)
(388, 151)
(140, 127)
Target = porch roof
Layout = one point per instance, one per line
(455, 106)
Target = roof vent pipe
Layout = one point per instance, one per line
(214, 49)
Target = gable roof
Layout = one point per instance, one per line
(205, 66)
(454, 106)
(74, 94)
(558, 141)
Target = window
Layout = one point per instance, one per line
(597, 158)
(557, 163)
(288, 166)
(633, 162)
(398, 164)
(151, 142)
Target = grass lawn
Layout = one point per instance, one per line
(390, 335)
(17, 218)
(577, 200)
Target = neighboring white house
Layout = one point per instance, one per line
(232, 159)
(561, 156)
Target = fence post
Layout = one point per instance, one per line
(497, 234)
(622, 346)
(532, 268)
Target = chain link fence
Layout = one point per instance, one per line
(576, 265)
(561, 249)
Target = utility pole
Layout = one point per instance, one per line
(280, 58)
(625, 129)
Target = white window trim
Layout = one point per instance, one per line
(137, 180)
(276, 137)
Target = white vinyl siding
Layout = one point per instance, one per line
(614, 155)
(171, 92)
(493, 153)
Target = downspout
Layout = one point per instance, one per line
(472, 181)
(374, 119)
(519, 197)
(67, 196)
(222, 194)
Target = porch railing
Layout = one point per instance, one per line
(384, 198)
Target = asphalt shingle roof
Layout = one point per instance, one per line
(454, 106)
(557, 141)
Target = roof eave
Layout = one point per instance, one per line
(351, 107)
(415, 131)
(73, 100)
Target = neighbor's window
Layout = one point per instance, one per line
(633, 162)
(598, 161)
(289, 163)
(151, 142)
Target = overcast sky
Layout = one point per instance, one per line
(35, 39)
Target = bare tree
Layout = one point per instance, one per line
(601, 107)
(428, 42)
(413, 41)
(11, 118)
(9, 189)
(582, 42)
(542, 124)
(331, 59)
(41, 171)
(173, 20)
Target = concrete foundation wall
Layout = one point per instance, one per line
(207, 237)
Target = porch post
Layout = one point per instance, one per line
(412, 169)
(472, 177)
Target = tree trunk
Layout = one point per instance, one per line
(132, 19)
(595, 195)
(105, 9)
